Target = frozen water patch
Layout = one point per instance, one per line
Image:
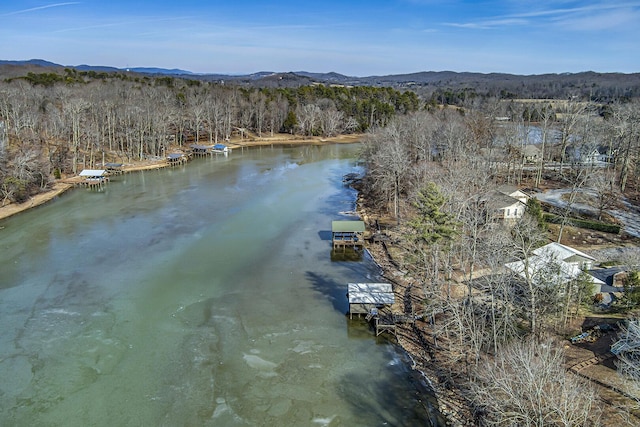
(325, 422)
(303, 347)
(265, 367)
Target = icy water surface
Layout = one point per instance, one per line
(200, 295)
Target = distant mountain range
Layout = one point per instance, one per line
(579, 83)
(99, 68)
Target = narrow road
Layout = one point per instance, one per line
(629, 218)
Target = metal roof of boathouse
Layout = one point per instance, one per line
(93, 172)
(371, 293)
(347, 226)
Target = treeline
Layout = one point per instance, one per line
(52, 122)
(435, 173)
(603, 88)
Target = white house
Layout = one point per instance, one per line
(515, 192)
(500, 206)
(555, 264)
(566, 254)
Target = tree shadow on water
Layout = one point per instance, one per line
(395, 400)
(332, 290)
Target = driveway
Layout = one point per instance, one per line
(629, 218)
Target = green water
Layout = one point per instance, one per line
(203, 295)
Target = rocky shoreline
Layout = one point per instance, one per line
(413, 337)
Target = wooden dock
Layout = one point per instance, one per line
(91, 178)
(347, 234)
(374, 300)
(384, 323)
(114, 168)
(176, 159)
(200, 150)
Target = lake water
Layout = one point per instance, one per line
(202, 295)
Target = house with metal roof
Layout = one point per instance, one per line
(556, 264)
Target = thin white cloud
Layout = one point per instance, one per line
(489, 24)
(35, 9)
(566, 15)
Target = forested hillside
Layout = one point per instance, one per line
(51, 122)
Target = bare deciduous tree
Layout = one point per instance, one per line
(527, 385)
(628, 360)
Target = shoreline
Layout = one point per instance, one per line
(60, 186)
(447, 404)
(414, 338)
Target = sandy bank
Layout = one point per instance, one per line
(60, 186)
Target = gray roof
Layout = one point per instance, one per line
(498, 200)
(606, 275)
(371, 293)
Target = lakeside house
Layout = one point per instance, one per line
(594, 156)
(498, 206)
(515, 192)
(556, 264)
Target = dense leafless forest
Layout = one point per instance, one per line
(434, 172)
(431, 158)
(52, 121)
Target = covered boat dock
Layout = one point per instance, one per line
(114, 168)
(347, 233)
(201, 150)
(175, 159)
(373, 300)
(93, 177)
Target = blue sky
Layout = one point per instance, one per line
(358, 38)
